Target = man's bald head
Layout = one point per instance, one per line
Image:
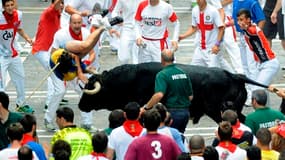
(75, 17)
(167, 55)
(196, 144)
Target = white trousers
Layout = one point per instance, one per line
(43, 57)
(248, 62)
(15, 68)
(204, 57)
(266, 72)
(230, 46)
(151, 53)
(128, 49)
(86, 117)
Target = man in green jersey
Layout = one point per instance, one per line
(263, 116)
(79, 139)
(174, 85)
(6, 118)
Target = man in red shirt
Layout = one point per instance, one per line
(48, 24)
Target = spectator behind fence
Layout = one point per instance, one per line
(15, 134)
(263, 136)
(253, 153)
(116, 119)
(130, 130)
(196, 147)
(153, 145)
(257, 119)
(210, 153)
(278, 137)
(30, 125)
(25, 153)
(242, 135)
(7, 118)
(169, 131)
(226, 148)
(72, 134)
(99, 143)
(61, 150)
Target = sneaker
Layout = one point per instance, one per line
(25, 109)
(49, 126)
(89, 127)
(63, 102)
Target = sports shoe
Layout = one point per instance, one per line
(24, 109)
(49, 126)
(89, 127)
(63, 102)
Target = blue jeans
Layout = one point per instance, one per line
(180, 118)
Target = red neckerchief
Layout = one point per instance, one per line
(97, 155)
(27, 138)
(228, 145)
(134, 128)
(10, 18)
(74, 35)
(237, 133)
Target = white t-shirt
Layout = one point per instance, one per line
(154, 19)
(119, 141)
(12, 154)
(212, 21)
(7, 34)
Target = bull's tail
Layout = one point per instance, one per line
(244, 79)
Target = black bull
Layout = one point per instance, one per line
(211, 88)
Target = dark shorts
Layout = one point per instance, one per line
(270, 30)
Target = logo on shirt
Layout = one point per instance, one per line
(178, 76)
(208, 17)
(7, 35)
(152, 21)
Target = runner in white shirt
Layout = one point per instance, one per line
(207, 21)
(229, 43)
(73, 32)
(152, 18)
(121, 137)
(226, 149)
(128, 48)
(9, 58)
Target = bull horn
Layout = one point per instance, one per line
(97, 88)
